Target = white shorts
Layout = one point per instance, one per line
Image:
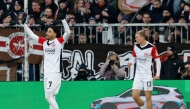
(145, 84)
(52, 82)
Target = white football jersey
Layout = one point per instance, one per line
(145, 56)
(52, 54)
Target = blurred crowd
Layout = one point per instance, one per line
(49, 12)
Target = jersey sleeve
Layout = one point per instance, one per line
(154, 52)
(60, 39)
(133, 52)
(41, 40)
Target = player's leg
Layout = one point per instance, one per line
(50, 99)
(148, 86)
(136, 90)
(50, 105)
(55, 92)
(52, 87)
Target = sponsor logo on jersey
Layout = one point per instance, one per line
(49, 51)
(142, 60)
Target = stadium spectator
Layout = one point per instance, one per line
(186, 71)
(31, 23)
(36, 9)
(138, 18)
(177, 32)
(186, 12)
(43, 17)
(173, 6)
(119, 35)
(48, 12)
(180, 9)
(71, 23)
(63, 8)
(49, 21)
(103, 10)
(169, 68)
(99, 30)
(82, 38)
(6, 6)
(82, 13)
(91, 31)
(146, 18)
(124, 19)
(149, 34)
(156, 37)
(84, 74)
(111, 69)
(50, 4)
(18, 8)
(90, 5)
(6, 20)
(119, 17)
(166, 12)
(180, 29)
(167, 35)
(72, 38)
(70, 14)
(156, 12)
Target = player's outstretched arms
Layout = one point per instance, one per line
(29, 32)
(67, 30)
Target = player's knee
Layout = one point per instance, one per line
(148, 96)
(48, 96)
(135, 96)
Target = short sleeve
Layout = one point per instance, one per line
(155, 52)
(41, 40)
(60, 39)
(133, 52)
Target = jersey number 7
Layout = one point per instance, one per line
(50, 82)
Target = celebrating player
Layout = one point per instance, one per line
(52, 48)
(143, 54)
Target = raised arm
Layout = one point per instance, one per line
(29, 32)
(67, 30)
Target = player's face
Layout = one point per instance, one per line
(50, 34)
(139, 39)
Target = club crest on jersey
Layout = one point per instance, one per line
(53, 45)
(145, 54)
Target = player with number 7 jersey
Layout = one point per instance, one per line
(52, 48)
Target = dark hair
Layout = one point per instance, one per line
(50, 18)
(47, 8)
(188, 62)
(56, 30)
(112, 54)
(36, 1)
(146, 13)
(157, 1)
(149, 27)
